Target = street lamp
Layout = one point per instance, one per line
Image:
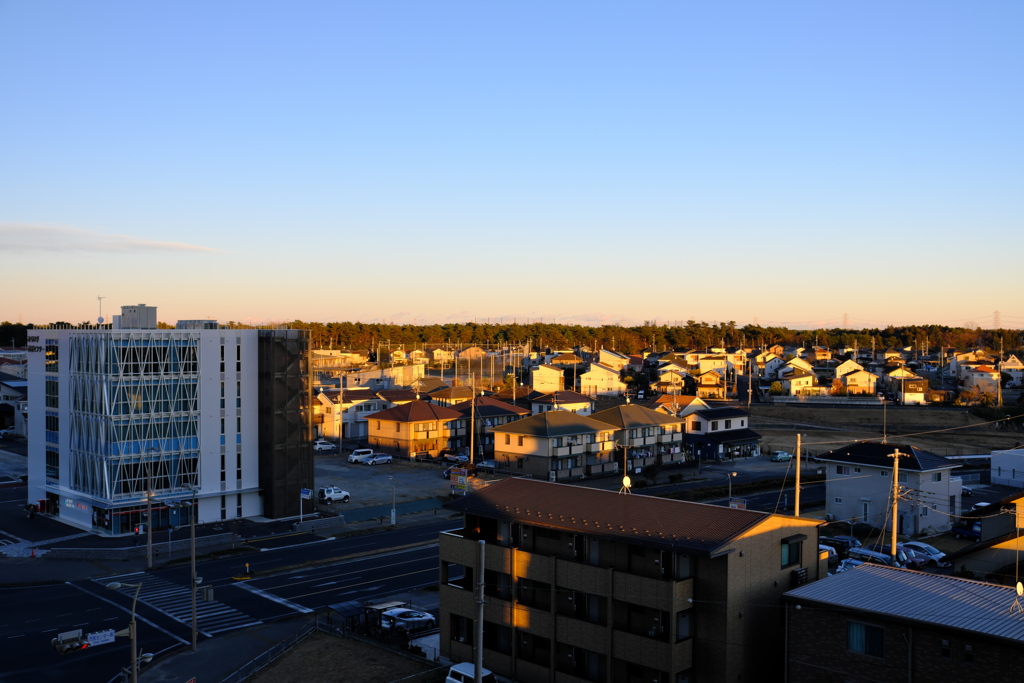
(730, 476)
(149, 506)
(115, 586)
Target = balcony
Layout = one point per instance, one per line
(659, 594)
(652, 653)
(584, 577)
(581, 633)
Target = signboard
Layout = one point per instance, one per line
(306, 493)
(459, 480)
(100, 637)
(738, 503)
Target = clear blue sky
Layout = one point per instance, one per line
(786, 163)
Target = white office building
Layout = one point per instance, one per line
(116, 413)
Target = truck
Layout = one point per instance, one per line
(967, 529)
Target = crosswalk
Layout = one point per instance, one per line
(174, 600)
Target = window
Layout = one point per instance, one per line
(695, 426)
(843, 470)
(945, 652)
(682, 625)
(508, 439)
(924, 510)
(791, 552)
(520, 440)
(968, 654)
(556, 442)
(903, 478)
(884, 473)
(714, 425)
(865, 639)
(936, 476)
(728, 424)
(838, 501)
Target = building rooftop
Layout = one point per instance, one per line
(876, 454)
(554, 423)
(632, 415)
(632, 518)
(935, 599)
(417, 411)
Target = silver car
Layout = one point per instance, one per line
(407, 620)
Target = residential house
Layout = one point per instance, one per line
(415, 430)
(612, 359)
(846, 367)
(859, 487)
(547, 378)
(818, 354)
(341, 414)
(717, 433)
(995, 554)
(671, 382)
(397, 397)
(450, 396)
(556, 446)
(483, 414)
(18, 366)
(472, 353)
(794, 364)
(647, 437)
(1012, 367)
(601, 380)
(583, 584)
(796, 382)
(442, 356)
(710, 385)
(982, 378)
(562, 400)
(677, 404)
(859, 382)
(890, 625)
(566, 360)
(909, 388)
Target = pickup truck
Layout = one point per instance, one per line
(967, 529)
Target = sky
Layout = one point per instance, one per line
(801, 164)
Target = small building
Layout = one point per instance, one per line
(649, 437)
(415, 430)
(889, 625)
(547, 378)
(556, 446)
(601, 380)
(572, 401)
(718, 433)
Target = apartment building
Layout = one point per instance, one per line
(582, 584)
(131, 412)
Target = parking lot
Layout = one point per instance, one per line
(371, 485)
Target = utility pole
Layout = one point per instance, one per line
(895, 501)
(478, 641)
(796, 494)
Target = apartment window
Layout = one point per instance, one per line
(944, 651)
(238, 425)
(902, 478)
(924, 510)
(837, 501)
(222, 395)
(378, 425)
(865, 639)
(520, 440)
(51, 393)
(843, 470)
(497, 637)
(743, 423)
(52, 464)
(695, 426)
(222, 358)
(508, 439)
(884, 473)
(714, 425)
(791, 547)
(556, 442)
(534, 649)
(728, 424)
(238, 362)
(462, 629)
(936, 476)
(683, 627)
(238, 394)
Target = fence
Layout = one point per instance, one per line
(254, 665)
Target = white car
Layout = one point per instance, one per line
(465, 672)
(361, 455)
(379, 459)
(333, 494)
(407, 619)
(321, 445)
(933, 556)
(456, 457)
(9, 431)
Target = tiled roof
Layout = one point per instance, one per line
(946, 601)
(633, 518)
(563, 397)
(453, 392)
(486, 406)
(554, 423)
(876, 454)
(396, 395)
(417, 411)
(722, 413)
(632, 415)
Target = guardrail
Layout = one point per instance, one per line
(177, 549)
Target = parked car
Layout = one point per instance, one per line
(934, 556)
(322, 445)
(487, 465)
(841, 546)
(407, 620)
(332, 494)
(361, 455)
(7, 431)
(781, 456)
(979, 506)
(456, 457)
(852, 540)
(465, 672)
(967, 529)
(906, 556)
(833, 555)
(846, 565)
(865, 555)
(378, 459)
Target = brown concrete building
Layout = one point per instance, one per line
(415, 429)
(582, 584)
(882, 624)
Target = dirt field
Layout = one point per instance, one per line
(941, 431)
(322, 657)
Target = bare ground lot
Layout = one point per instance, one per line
(326, 658)
(941, 431)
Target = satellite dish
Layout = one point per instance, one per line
(1020, 589)
(100, 320)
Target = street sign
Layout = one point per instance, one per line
(100, 637)
(306, 493)
(738, 503)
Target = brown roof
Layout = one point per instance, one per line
(486, 406)
(553, 423)
(632, 415)
(634, 518)
(562, 397)
(416, 411)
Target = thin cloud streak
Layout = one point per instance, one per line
(22, 238)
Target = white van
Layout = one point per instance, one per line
(465, 672)
(360, 455)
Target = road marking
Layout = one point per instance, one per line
(274, 598)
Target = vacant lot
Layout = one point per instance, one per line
(942, 431)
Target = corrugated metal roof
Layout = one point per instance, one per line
(645, 520)
(919, 596)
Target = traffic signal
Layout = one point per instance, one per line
(67, 645)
